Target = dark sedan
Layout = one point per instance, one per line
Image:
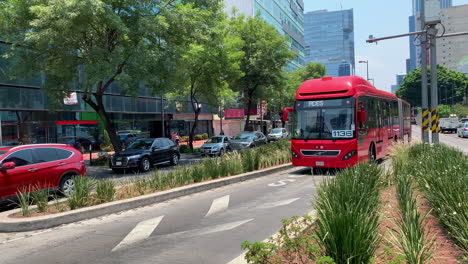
(146, 153)
(248, 140)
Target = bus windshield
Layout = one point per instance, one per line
(331, 119)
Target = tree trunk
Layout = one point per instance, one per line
(249, 107)
(192, 131)
(108, 125)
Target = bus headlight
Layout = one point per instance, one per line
(294, 154)
(350, 154)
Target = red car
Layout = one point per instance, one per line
(39, 166)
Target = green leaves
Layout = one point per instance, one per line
(452, 86)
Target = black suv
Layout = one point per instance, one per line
(145, 153)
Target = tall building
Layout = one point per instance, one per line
(287, 16)
(329, 38)
(415, 25)
(452, 52)
(399, 81)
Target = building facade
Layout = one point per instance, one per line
(452, 52)
(329, 38)
(415, 25)
(287, 16)
(25, 115)
(399, 80)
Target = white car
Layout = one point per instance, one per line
(216, 145)
(277, 134)
(462, 130)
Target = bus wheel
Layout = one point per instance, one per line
(372, 155)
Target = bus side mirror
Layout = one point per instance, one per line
(362, 115)
(286, 111)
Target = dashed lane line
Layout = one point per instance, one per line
(218, 205)
(139, 233)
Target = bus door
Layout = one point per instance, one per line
(381, 130)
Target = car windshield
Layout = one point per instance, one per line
(243, 136)
(275, 131)
(215, 140)
(141, 144)
(324, 119)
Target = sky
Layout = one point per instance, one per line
(379, 18)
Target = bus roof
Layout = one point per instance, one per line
(331, 87)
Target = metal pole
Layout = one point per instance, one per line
(434, 96)
(424, 95)
(162, 117)
(367, 64)
(220, 121)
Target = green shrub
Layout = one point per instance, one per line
(24, 200)
(198, 137)
(141, 184)
(80, 197)
(441, 173)
(40, 198)
(348, 214)
(101, 161)
(105, 191)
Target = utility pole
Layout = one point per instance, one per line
(434, 92)
(424, 95)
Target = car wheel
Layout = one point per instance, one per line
(174, 159)
(372, 155)
(67, 185)
(145, 165)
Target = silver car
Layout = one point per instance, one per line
(462, 130)
(216, 145)
(277, 134)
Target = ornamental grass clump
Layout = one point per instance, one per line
(24, 201)
(348, 214)
(81, 195)
(105, 191)
(442, 174)
(40, 198)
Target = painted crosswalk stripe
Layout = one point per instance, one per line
(139, 233)
(218, 205)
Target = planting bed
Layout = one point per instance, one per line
(416, 212)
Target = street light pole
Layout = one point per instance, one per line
(367, 66)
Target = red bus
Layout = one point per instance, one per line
(339, 121)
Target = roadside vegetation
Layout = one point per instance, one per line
(367, 214)
(90, 192)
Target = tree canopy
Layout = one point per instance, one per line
(94, 43)
(266, 54)
(452, 86)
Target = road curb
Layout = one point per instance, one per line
(8, 224)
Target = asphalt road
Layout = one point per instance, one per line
(207, 227)
(448, 139)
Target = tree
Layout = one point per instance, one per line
(210, 61)
(285, 94)
(266, 54)
(96, 43)
(452, 86)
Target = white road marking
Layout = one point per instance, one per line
(281, 183)
(296, 176)
(139, 233)
(218, 205)
(25, 236)
(241, 258)
(276, 204)
(208, 230)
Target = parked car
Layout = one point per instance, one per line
(39, 166)
(462, 130)
(277, 134)
(84, 144)
(216, 145)
(248, 140)
(127, 139)
(145, 153)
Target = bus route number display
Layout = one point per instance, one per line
(342, 133)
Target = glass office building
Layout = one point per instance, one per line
(25, 116)
(415, 25)
(329, 38)
(287, 16)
